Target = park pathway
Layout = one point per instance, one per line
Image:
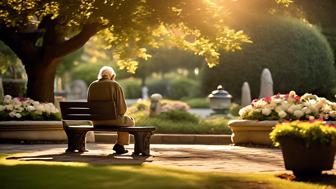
(224, 158)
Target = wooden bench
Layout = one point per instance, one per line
(77, 110)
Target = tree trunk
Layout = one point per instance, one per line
(41, 77)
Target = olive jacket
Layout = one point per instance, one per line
(108, 90)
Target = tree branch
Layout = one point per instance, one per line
(76, 42)
(22, 44)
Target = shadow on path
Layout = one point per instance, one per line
(85, 158)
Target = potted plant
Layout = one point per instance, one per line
(258, 119)
(307, 147)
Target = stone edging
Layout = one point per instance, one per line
(104, 137)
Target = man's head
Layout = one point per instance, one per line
(106, 72)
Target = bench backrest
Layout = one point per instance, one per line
(98, 110)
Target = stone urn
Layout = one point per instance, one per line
(251, 131)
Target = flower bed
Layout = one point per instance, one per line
(27, 109)
(26, 120)
(254, 128)
(290, 107)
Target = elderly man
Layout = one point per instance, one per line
(107, 89)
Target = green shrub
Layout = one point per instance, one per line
(159, 86)
(198, 102)
(86, 71)
(211, 125)
(234, 109)
(14, 87)
(178, 115)
(297, 54)
(131, 87)
(182, 87)
(177, 120)
(174, 86)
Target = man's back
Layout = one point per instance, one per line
(107, 90)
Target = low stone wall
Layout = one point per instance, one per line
(34, 132)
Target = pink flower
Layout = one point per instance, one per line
(268, 99)
(332, 125)
(287, 96)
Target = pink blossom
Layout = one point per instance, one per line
(268, 99)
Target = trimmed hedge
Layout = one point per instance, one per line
(131, 87)
(297, 54)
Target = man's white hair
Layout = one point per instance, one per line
(106, 72)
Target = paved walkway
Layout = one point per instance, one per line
(224, 158)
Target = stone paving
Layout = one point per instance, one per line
(224, 158)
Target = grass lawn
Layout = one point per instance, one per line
(25, 174)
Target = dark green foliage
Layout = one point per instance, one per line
(69, 61)
(197, 102)
(159, 86)
(182, 87)
(4, 116)
(174, 88)
(234, 109)
(297, 54)
(15, 87)
(178, 115)
(131, 88)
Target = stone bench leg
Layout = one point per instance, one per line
(76, 139)
(141, 143)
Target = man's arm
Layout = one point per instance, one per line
(120, 101)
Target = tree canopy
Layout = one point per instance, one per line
(40, 32)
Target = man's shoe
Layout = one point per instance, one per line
(119, 149)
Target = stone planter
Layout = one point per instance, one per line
(305, 160)
(34, 132)
(251, 131)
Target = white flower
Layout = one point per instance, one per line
(245, 110)
(277, 100)
(306, 110)
(17, 102)
(284, 106)
(332, 113)
(291, 109)
(9, 107)
(2, 108)
(35, 103)
(311, 118)
(19, 109)
(266, 111)
(7, 99)
(326, 108)
(292, 93)
(39, 107)
(282, 114)
(298, 113)
(18, 115)
(12, 114)
(38, 112)
(30, 108)
(260, 104)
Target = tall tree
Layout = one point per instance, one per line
(40, 32)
